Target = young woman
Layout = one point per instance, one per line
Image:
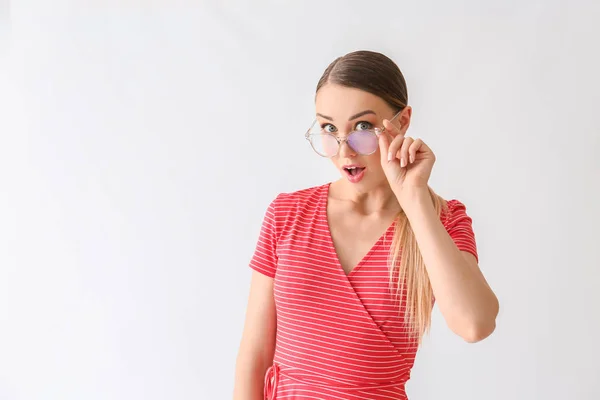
(345, 274)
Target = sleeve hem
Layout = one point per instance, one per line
(262, 271)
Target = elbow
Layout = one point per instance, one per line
(473, 332)
(476, 329)
(478, 332)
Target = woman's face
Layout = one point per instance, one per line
(341, 110)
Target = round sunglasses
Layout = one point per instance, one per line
(364, 142)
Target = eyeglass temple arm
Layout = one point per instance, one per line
(307, 134)
(391, 119)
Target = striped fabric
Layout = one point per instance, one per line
(338, 336)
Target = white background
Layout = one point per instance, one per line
(142, 142)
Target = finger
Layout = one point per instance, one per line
(408, 141)
(395, 147)
(394, 132)
(413, 150)
(384, 145)
(391, 128)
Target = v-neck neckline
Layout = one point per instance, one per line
(365, 258)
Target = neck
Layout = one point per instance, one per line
(376, 200)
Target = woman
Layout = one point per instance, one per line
(345, 274)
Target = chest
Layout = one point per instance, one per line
(313, 281)
(355, 237)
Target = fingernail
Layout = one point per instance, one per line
(390, 156)
(412, 159)
(402, 162)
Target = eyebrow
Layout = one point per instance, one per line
(360, 114)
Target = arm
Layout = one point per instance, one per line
(465, 299)
(257, 346)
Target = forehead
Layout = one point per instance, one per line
(340, 102)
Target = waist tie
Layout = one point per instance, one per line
(271, 381)
(274, 372)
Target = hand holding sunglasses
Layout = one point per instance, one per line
(407, 162)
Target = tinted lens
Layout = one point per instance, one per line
(324, 144)
(363, 142)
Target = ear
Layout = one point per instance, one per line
(403, 120)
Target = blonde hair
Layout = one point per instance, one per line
(409, 280)
(377, 74)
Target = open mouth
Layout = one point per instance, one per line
(354, 171)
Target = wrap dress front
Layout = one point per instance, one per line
(338, 336)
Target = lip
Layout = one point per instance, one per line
(352, 166)
(354, 178)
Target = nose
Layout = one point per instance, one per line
(346, 150)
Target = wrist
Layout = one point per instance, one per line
(415, 199)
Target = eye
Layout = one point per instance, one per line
(363, 126)
(328, 128)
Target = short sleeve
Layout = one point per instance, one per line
(264, 259)
(459, 226)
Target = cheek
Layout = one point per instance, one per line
(374, 162)
(329, 145)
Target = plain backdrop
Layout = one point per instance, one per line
(141, 143)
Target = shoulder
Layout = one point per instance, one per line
(454, 205)
(290, 209)
(453, 211)
(290, 201)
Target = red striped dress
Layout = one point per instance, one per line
(338, 336)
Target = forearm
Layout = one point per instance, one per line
(257, 347)
(466, 301)
(249, 377)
